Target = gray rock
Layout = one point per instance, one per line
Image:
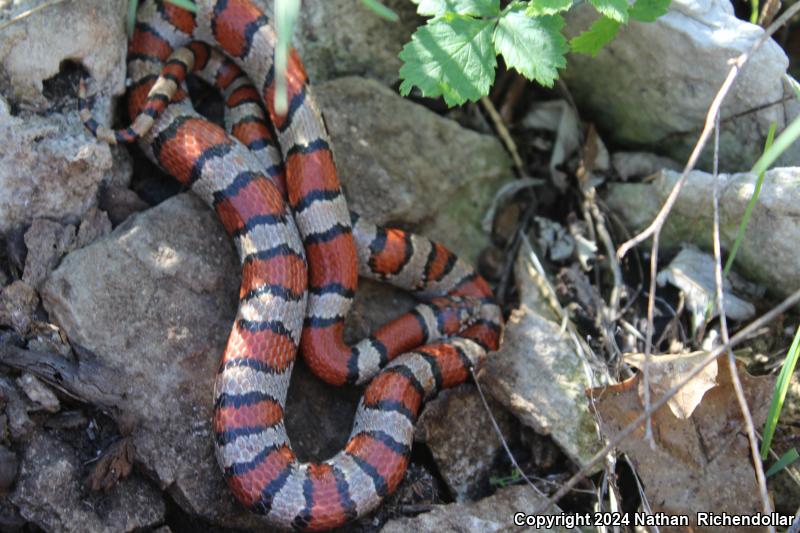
(772, 233)
(495, 513)
(20, 425)
(18, 302)
(46, 242)
(397, 163)
(464, 457)
(640, 164)
(626, 78)
(156, 299)
(50, 493)
(33, 49)
(94, 225)
(539, 375)
(39, 393)
(49, 167)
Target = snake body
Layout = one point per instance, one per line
(272, 181)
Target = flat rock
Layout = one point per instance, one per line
(464, 458)
(495, 513)
(398, 165)
(625, 78)
(51, 493)
(772, 233)
(539, 376)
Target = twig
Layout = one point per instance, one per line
(504, 134)
(28, 13)
(723, 322)
(740, 336)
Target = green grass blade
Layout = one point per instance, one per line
(131, 20)
(749, 210)
(285, 18)
(785, 460)
(754, 11)
(381, 10)
(781, 387)
(188, 5)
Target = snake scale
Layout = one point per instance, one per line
(271, 179)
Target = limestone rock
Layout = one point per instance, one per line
(652, 97)
(397, 164)
(772, 232)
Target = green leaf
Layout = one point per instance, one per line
(532, 45)
(451, 56)
(547, 7)
(476, 8)
(613, 9)
(381, 10)
(648, 10)
(596, 37)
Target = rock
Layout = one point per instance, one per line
(120, 203)
(18, 302)
(692, 271)
(39, 393)
(20, 425)
(46, 241)
(358, 43)
(675, 92)
(640, 164)
(464, 458)
(539, 376)
(49, 167)
(94, 225)
(8, 469)
(397, 165)
(772, 232)
(51, 494)
(34, 49)
(495, 513)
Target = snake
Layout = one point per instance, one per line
(270, 177)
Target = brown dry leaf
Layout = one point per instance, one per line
(702, 463)
(114, 464)
(665, 371)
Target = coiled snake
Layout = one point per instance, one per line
(273, 184)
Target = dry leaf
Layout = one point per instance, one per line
(665, 371)
(702, 463)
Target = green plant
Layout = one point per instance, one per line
(750, 205)
(786, 459)
(781, 387)
(454, 55)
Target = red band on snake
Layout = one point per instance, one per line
(284, 304)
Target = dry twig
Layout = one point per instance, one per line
(723, 322)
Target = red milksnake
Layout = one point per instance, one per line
(284, 304)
